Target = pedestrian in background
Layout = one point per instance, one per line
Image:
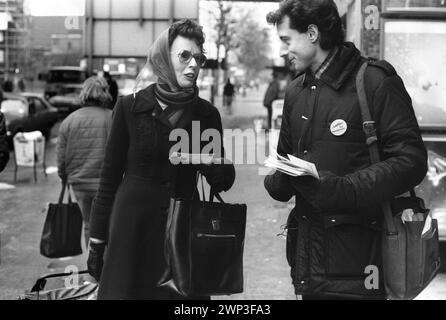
(81, 144)
(333, 231)
(21, 84)
(112, 88)
(273, 92)
(228, 93)
(8, 85)
(4, 149)
(138, 180)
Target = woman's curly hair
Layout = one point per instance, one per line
(189, 29)
(322, 13)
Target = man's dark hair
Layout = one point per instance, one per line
(322, 13)
(188, 29)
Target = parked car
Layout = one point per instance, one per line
(28, 112)
(66, 104)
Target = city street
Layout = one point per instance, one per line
(266, 271)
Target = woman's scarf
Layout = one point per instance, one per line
(167, 89)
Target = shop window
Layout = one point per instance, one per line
(416, 49)
(414, 5)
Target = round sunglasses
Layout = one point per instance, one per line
(185, 56)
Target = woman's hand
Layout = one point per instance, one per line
(220, 174)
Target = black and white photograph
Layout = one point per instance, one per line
(223, 156)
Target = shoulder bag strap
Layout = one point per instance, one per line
(62, 192)
(368, 126)
(216, 195)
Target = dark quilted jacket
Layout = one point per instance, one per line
(334, 229)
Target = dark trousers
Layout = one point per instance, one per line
(227, 101)
(270, 116)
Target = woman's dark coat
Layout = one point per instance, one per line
(333, 231)
(137, 182)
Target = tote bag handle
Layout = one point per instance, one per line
(65, 185)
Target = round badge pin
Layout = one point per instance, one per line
(338, 127)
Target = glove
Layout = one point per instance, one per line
(219, 176)
(95, 260)
(330, 192)
(278, 186)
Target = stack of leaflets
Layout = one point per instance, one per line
(291, 166)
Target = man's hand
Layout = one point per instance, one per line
(278, 186)
(330, 192)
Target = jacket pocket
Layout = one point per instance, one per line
(351, 244)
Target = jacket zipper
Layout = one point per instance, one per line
(309, 135)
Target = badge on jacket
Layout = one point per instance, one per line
(338, 127)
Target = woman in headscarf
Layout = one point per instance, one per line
(137, 178)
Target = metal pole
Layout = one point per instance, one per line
(90, 34)
(6, 45)
(35, 161)
(110, 13)
(153, 23)
(172, 11)
(141, 12)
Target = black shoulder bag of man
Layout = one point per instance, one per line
(410, 257)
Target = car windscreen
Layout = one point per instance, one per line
(66, 76)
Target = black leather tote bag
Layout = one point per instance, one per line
(204, 243)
